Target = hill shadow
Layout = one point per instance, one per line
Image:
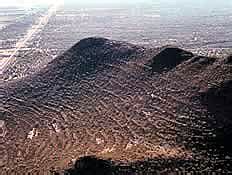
(218, 100)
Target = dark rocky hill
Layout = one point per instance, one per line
(168, 58)
(137, 106)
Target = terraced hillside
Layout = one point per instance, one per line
(119, 101)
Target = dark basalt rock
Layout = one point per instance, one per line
(218, 100)
(229, 59)
(88, 56)
(220, 94)
(169, 58)
(90, 42)
(90, 165)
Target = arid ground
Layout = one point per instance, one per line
(162, 109)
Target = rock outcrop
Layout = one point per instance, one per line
(169, 57)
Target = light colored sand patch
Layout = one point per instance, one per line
(183, 117)
(129, 145)
(133, 143)
(168, 152)
(3, 129)
(32, 133)
(99, 141)
(146, 113)
(56, 127)
(141, 152)
(152, 96)
(107, 150)
(2, 123)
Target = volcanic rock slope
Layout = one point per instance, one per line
(119, 101)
